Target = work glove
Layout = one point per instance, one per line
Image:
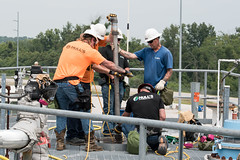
(160, 85)
(118, 129)
(115, 74)
(128, 74)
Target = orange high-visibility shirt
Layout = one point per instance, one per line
(74, 60)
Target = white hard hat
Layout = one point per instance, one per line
(100, 30)
(120, 36)
(151, 34)
(92, 32)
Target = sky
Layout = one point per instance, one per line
(37, 16)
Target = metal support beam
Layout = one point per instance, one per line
(3, 111)
(238, 97)
(195, 95)
(180, 145)
(226, 94)
(205, 95)
(142, 142)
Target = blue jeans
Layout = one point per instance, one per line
(74, 126)
(152, 140)
(105, 95)
(67, 99)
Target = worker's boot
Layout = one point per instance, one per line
(163, 145)
(92, 145)
(60, 140)
(76, 141)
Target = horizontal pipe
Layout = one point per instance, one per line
(135, 69)
(128, 120)
(13, 139)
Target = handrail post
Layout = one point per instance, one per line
(226, 94)
(195, 91)
(205, 95)
(142, 142)
(3, 111)
(238, 97)
(180, 145)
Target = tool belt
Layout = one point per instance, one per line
(151, 131)
(66, 79)
(84, 98)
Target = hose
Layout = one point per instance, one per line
(109, 95)
(102, 111)
(176, 151)
(90, 121)
(18, 97)
(53, 157)
(3, 158)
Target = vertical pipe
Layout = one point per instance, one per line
(226, 94)
(3, 111)
(180, 60)
(223, 82)
(218, 125)
(195, 91)
(17, 36)
(180, 153)
(126, 79)
(115, 60)
(238, 97)
(205, 95)
(128, 23)
(142, 142)
(8, 113)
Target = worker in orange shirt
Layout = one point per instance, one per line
(75, 133)
(73, 62)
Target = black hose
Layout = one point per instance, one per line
(12, 97)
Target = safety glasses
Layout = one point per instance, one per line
(149, 42)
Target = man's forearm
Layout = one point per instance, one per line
(100, 69)
(110, 65)
(162, 115)
(127, 54)
(117, 69)
(168, 75)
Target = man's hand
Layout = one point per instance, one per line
(127, 73)
(160, 85)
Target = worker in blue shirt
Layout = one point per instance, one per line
(158, 60)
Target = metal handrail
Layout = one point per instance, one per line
(138, 121)
(119, 119)
(134, 69)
